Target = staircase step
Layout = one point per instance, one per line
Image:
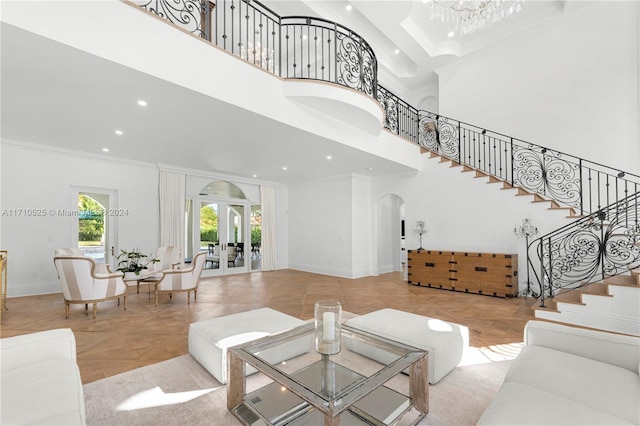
(523, 192)
(595, 289)
(549, 306)
(625, 280)
(506, 185)
(571, 213)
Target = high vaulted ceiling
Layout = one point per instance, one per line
(56, 95)
(409, 46)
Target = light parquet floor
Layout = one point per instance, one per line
(119, 341)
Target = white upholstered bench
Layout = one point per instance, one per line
(445, 341)
(209, 339)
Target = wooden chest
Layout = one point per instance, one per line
(490, 274)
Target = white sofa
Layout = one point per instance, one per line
(40, 381)
(570, 376)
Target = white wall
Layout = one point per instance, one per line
(388, 212)
(35, 178)
(572, 86)
(321, 228)
(464, 213)
(362, 217)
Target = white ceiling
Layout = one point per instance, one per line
(56, 95)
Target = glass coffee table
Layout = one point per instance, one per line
(314, 389)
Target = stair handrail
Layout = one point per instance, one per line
(603, 244)
(584, 185)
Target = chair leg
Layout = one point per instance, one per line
(95, 309)
(188, 298)
(125, 301)
(86, 307)
(156, 297)
(66, 310)
(195, 295)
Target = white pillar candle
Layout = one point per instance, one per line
(328, 327)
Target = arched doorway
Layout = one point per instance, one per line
(390, 232)
(219, 222)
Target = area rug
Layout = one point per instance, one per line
(180, 392)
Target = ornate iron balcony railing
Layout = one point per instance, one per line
(290, 47)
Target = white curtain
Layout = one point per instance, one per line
(172, 209)
(268, 244)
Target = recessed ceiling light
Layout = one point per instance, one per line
(329, 157)
(396, 51)
(142, 102)
(105, 149)
(119, 132)
(349, 7)
(255, 176)
(450, 34)
(284, 167)
(369, 169)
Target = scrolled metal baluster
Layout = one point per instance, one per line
(185, 13)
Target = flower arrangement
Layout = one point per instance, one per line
(420, 229)
(134, 261)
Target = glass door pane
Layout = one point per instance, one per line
(220, 229)
(256, 237)
(209, 235)
(235, 236)
(96, 231)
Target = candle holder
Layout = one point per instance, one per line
(328, 326)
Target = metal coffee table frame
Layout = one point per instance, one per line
(344, 400)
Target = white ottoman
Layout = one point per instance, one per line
(445, 341)
(209, 339)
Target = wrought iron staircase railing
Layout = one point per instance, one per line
(583, 185)
(313, 48)
(603, 244)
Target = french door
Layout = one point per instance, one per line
(221, 229)
(95, 232)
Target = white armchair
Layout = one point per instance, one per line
(101, 268)
(83, 284)
(169, 258)
(182, 280)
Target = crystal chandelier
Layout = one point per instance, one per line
(258, 55)
(466, 16)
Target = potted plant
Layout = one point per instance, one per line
(133, 262)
